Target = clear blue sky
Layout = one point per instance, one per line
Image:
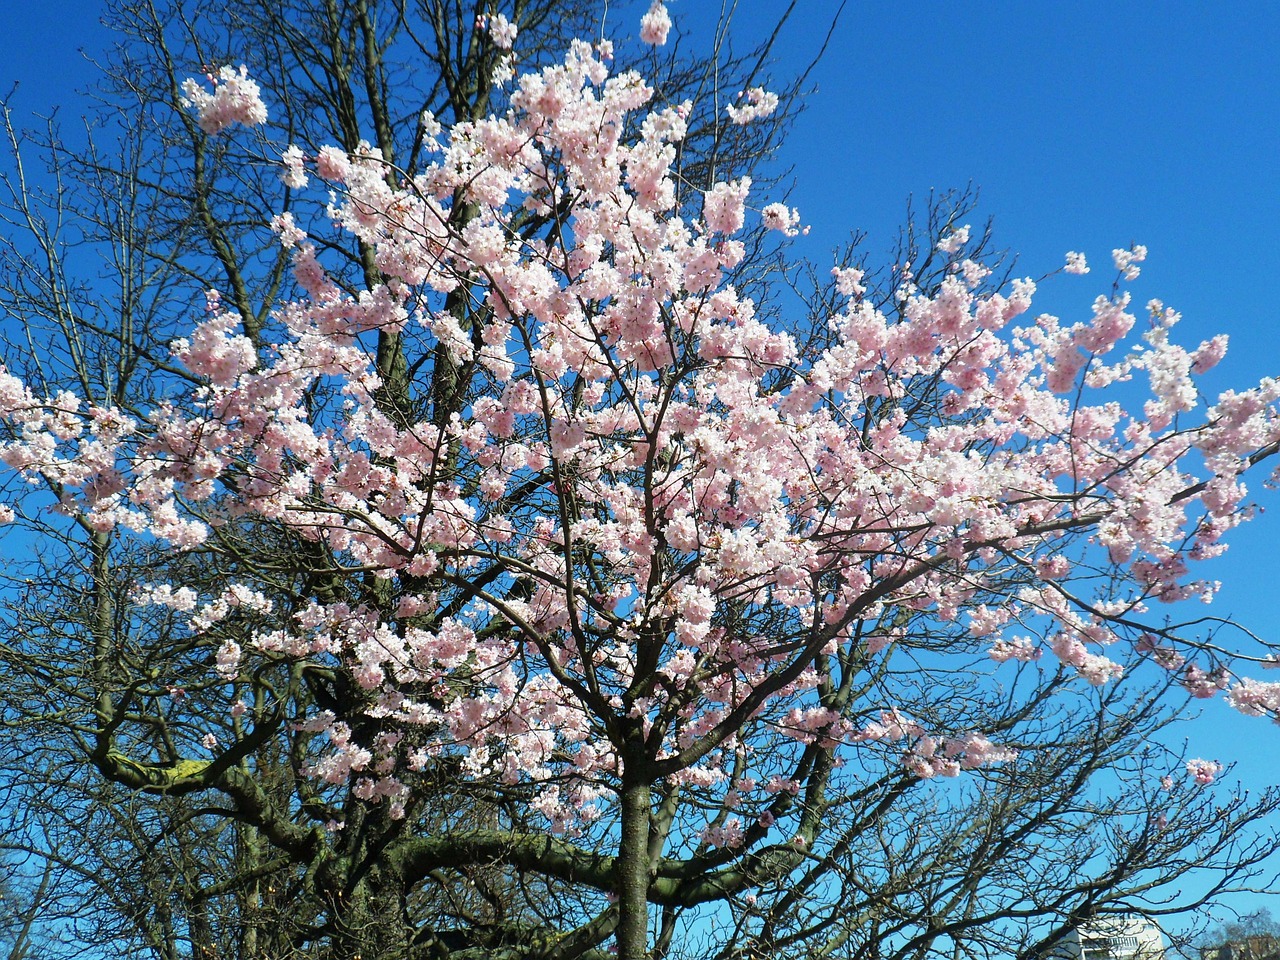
(1087, 125)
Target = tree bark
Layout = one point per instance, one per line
(632, 869)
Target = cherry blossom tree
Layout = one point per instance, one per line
(522, 521)
(104, 271)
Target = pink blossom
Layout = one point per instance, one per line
(849, 281)
(777, 216)
(501, 30)
(1255, 698)
(1202, 684)
(655, 24)
(1203, 771)
(1209, 354)
(727, 834)
(1022, 649)
(670, 515)
(294, 175)
(235, 99)
(1076, 263)
(955, 240)
(332, 164)
(228, 659)
(722, 209)
(215, 352)
(1126, 261)
(759, 103)
(977, 751)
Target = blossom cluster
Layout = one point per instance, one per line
(236, 98)
(1203, 771)
(757, 104)
(655, 24)
(657, 511)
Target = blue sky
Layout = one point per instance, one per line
(1086, 125)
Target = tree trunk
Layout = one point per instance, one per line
(633, 868)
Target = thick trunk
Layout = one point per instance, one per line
(372, 927)
(632, 876)
(368, 918)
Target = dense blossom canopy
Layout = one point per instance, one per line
(649, 454)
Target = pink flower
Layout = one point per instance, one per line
(294, 175)
(1255, 698)
(501, 31)
(228, 659)
(1209, 354)
(955, 240)
(722, 208)
(759, 104)
(655, 24)
(1076, 263)
(1203, 771)
(777, 216)
(235, 99)
(1126, 260)
(629, 413)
